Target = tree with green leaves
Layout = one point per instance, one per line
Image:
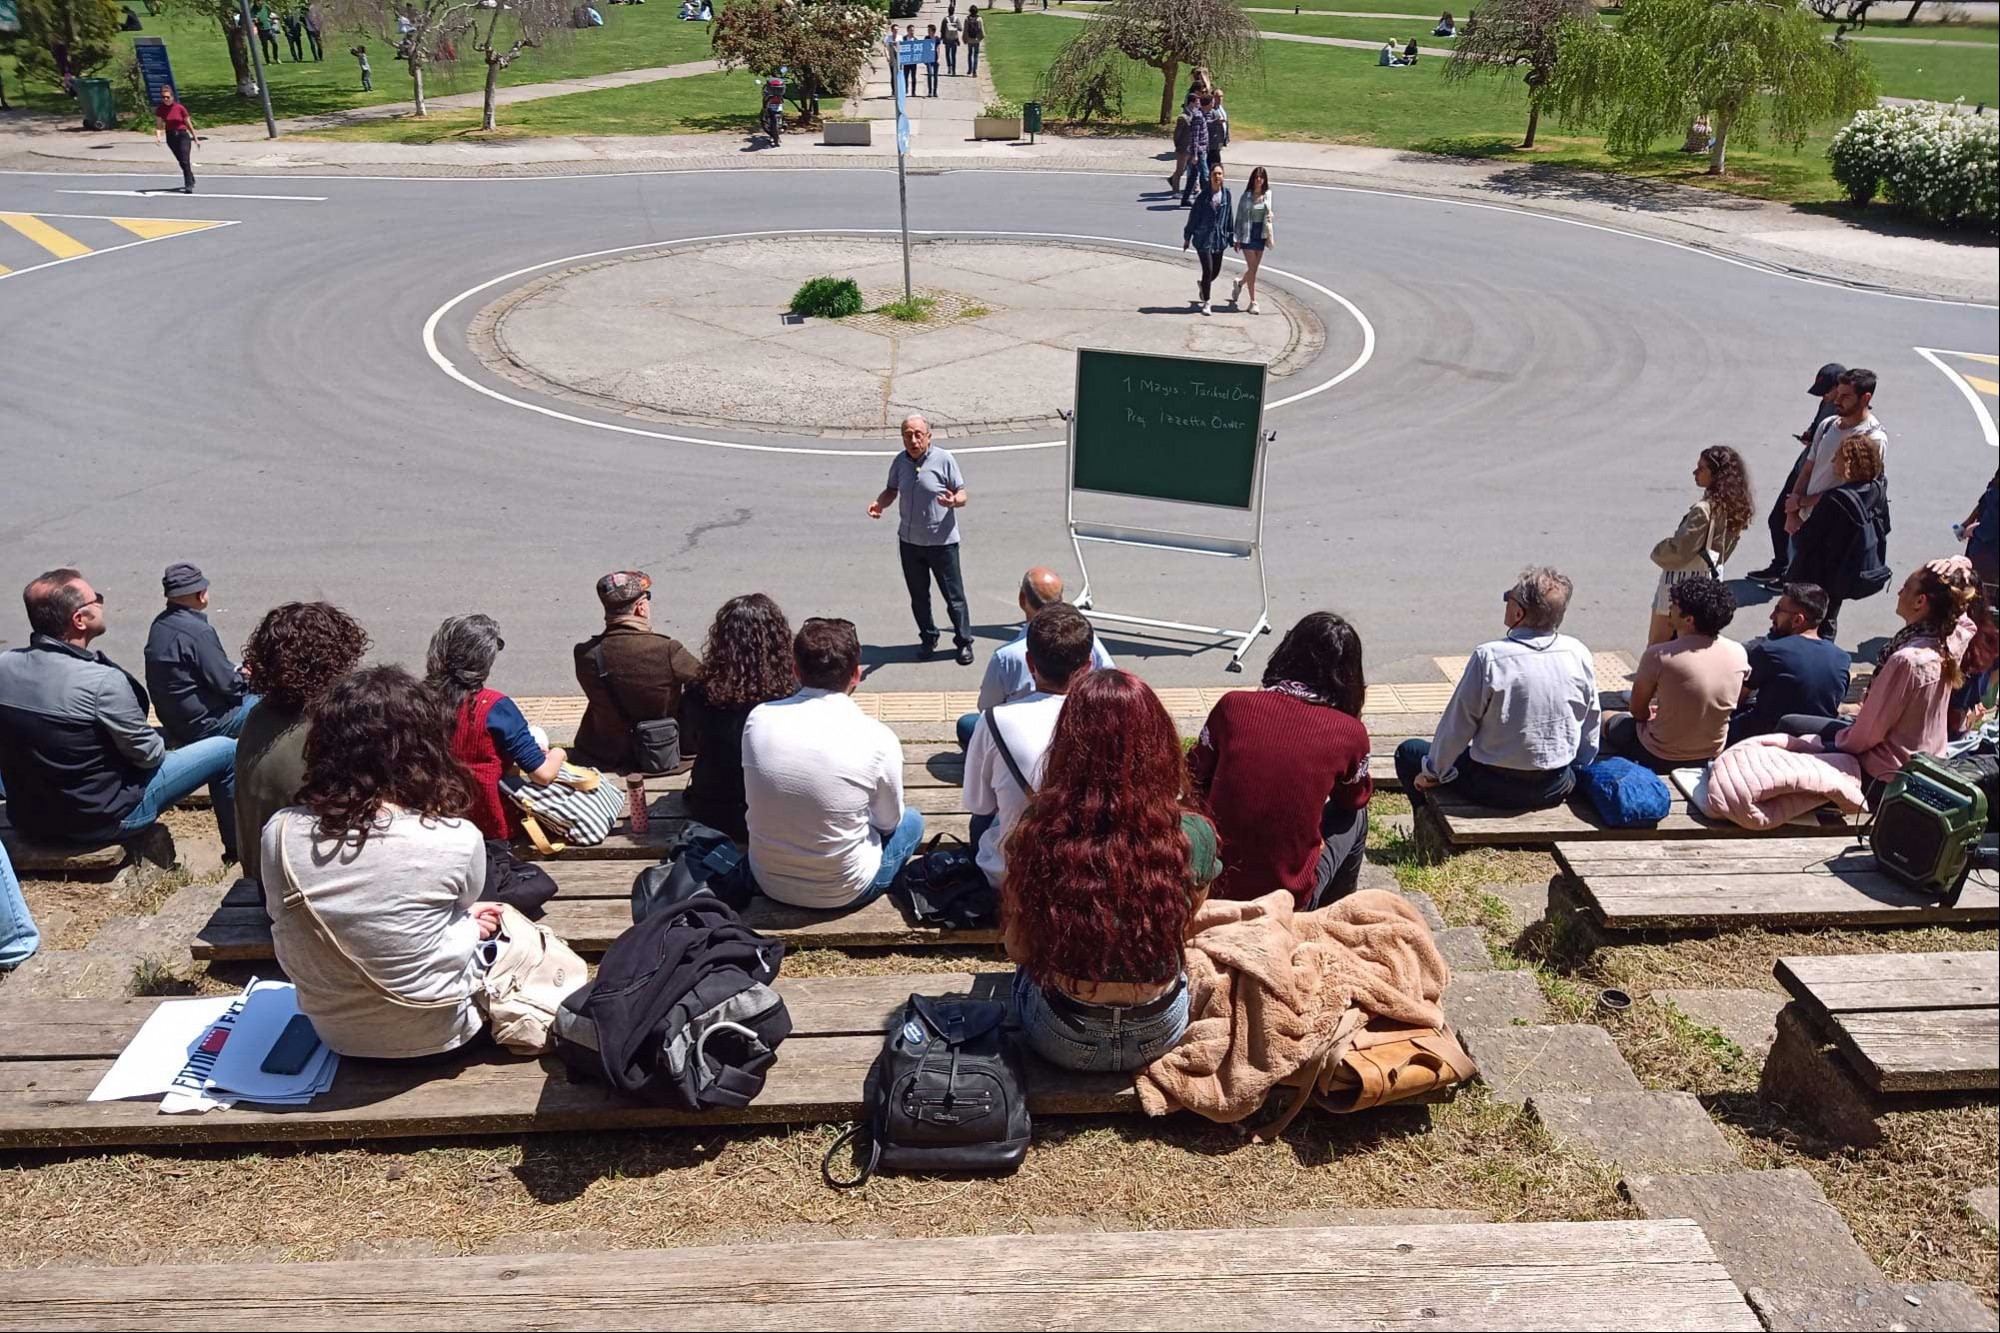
(1743, 63)
(1502, 36)
(1164, 34)
(821, 45)
(62, 40)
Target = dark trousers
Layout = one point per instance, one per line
(1621, 739)
(1340, 856)
(270, 41)
(972, 57)
(909, 80)
(950, 58)
(1781, 541)
(1482, 784)
(182, 145)
(312, 39)
(1196, 179)
(1211, 268)
(930, 79)
(297, 42)
(920, 564)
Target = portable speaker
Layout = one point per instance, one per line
(1925, 829)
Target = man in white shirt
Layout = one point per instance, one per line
(824, 783)
(1853, 393)
(1059, 641)
(1007, 676)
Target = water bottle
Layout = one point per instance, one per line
(635, 803)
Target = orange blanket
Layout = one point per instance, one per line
(1269, 987)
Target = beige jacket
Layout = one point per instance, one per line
(1681, 553)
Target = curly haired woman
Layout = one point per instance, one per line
(747, 661)
(373, 878)
(296, 654)
(1708, 532)
(1832, 546)
(1104, 870)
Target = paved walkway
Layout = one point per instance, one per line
(935, 122)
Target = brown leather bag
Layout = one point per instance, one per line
(1377, 1063)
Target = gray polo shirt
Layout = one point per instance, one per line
(921, 520)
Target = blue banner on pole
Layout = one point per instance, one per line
(154, 67)
(917, 51)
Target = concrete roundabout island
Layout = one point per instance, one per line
(418, 396)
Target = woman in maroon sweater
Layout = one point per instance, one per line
(1284, 770)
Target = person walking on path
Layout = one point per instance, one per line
(1181, 133)
(267, 31)
(1707, 534)
(176, 131)
(1218, 127)
(975, 33)
(1199, 126)
(909, 64)
(1210, 230)
(1254, 219)
(929, 490)
(1773, 574)
(952, 30)
(931, 65)
(309, 16)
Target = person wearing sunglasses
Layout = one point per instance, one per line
(1524, 715)
(630, 675)
(78, 758)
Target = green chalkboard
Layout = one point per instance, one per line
(1169, 427)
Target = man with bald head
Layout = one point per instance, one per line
(1008, 679)
(929, 490)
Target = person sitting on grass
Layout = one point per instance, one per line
(747, 661)
(1004, 759)
(1792, 670)
(1410, 52)
(298, 652)
(1284, 769)
(824, 783)
(373, 878)
(1686, 688)
(1104, 872)
(1386, 59)
(1524, 713)
(1445, 27)
(488, 733)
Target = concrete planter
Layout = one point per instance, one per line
(850, 132)
(996, 127)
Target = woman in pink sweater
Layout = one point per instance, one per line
(1903, 712)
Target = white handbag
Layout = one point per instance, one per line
(532, 973)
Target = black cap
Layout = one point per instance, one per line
(183, 580)
(1829, 375)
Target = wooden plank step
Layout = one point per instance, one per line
(1888, 982)
(1796, 882)
(1938, 1050)
(1502, 1276)
(240, 933)
(1469, 825)
(622, 846)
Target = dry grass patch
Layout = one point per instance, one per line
(709, 1187)
(891, 962)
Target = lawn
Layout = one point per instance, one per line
(1339, 95)
(701, 104)
(634, 37)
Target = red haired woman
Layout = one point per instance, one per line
(1105, 867)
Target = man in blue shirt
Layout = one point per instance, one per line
(1008, 677)
(1792, 671)
(929, 490)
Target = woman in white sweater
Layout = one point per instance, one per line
(1253, 232)
(373, 879)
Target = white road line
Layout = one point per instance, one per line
(1930, 354)
(168, 191)
(1767, 270)
(444, 363)
(149, 240)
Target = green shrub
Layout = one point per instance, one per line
(1001, 109)
(827, 298)
(1930, 160)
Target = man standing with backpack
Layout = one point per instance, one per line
(1853, 396)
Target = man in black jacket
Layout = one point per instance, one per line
(198, 691)
(77, 758)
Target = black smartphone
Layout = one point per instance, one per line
(294, 1046)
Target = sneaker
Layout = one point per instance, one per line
(1204, 307)
(965, 655)
(1236, 291)
(1253, 307)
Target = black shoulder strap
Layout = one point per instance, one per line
(1007, 755)
(604, 679)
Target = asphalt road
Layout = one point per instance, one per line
(259, 399)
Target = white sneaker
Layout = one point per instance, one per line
(1236, 291)
(1204, 307)
(1253, 307)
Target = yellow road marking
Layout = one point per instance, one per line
(154, 228)
(1978, 356)
(4, 270)
(1983, 385)
(59, 244)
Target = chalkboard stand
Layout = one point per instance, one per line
(1185, 543)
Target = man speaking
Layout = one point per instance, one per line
(929, 490)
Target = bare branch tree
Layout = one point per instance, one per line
(424, 32)
(1508, 35)
(1165, 34)
(1847, 13)
(535, 24)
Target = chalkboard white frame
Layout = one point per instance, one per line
(1166, 539)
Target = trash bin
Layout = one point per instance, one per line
(1031, 117)
(100, 110)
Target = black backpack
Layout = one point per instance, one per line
(945, 1094)
(1869, 574)
(944, 888)
(698, 860)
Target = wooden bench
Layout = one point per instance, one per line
(145, 854)
(1541, 1275)
(1454, 822)
(595, 907)
(1801, 882)
(1868, 1033)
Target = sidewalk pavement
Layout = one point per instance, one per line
(941, 121)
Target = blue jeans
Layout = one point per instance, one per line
(210, 763)
(18, 937)
(1096, 1038)
(232, 721)
(967, 724)
(1482, 784)
(972, 57)
(896, 848)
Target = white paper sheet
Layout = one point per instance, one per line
(150, 1062)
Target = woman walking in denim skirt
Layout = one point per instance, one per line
(1253, 233)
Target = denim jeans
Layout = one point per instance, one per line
(930, 79)
(210, 763)
(18, 937)
(1345, 834)
(232, 721)
(967, 724)
(1096, 1038)
(972, 57)
(897, 844)
(920, 564)
(1482, 784)
(951, 57)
